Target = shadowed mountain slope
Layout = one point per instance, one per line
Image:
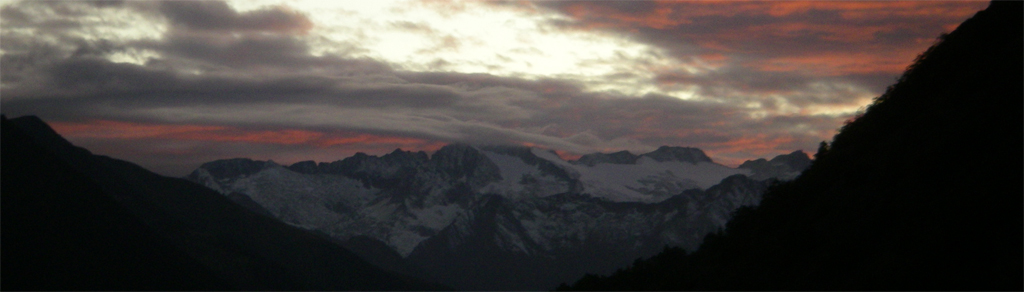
(76, 221)
(61, 232)
(921, 192)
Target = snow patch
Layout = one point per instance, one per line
(637, 182)
(521, 180)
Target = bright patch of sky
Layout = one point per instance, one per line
(113, 25)
(475, 37)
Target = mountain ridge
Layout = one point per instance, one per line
(662, 154)
(538, 214)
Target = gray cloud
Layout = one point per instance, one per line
(217, 16)
(466, 107)
(90, 80)
(238, 52)
(418, 27)
(202, 74)
(798, 89)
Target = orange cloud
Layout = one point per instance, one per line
(284, 137)
(664, 14)
(878, 9)
(104, 129)
(735, 151)
(820, 37)
(661, 16)
(367, 139)
(126, 130)
(760, 143)
(567, 155)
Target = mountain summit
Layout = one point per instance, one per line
(662, 154)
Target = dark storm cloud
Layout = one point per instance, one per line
(216, 15)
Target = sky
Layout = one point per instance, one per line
(170, 85)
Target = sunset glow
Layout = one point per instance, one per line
(738, 79)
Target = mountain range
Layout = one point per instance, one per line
(488, 217)
(503, 217)
(921, 192)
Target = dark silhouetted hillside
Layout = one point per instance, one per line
(75, 221)
(922, 192)
(61, 232)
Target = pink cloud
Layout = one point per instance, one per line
(117, 130)
(859, 37)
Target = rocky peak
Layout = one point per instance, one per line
(621, 157)
(305, 167)
(521, 152)
(349, 165)
(682, 154)
(235, 167)
(400, 157)
(797, 160)
(463, 161)
(754, 163)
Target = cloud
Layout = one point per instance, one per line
(438, 106)
(301, 110)
(419, 27)
(813, 37)
(243, 51)
(105, 129)
(218, 16)
(188, 82)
